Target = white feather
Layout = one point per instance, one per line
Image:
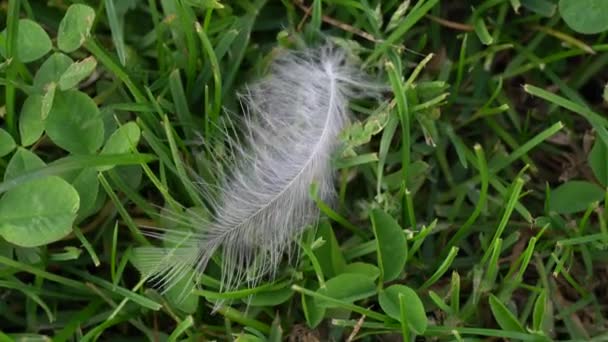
(294, 116)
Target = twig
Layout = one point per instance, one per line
(341, 25)
(356, 329)
(451, 24)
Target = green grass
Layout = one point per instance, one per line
(471, 195)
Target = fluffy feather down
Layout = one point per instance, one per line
(294, 116)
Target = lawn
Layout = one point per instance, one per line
(470, 179)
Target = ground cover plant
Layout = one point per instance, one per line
(471, 190)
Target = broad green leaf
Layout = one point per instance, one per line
(363, 269)
(546, 8)
(348, 288)
(132, 175)
(574, 196)
(74, 123)
(270, 298)
(503, 316)
(75, 27)
(87, 185)
(75, 162)
(7, 143)
(51, 70)
(29, 255)
(38, 212)
(77, 72)
(32, 41)
(391, 245)
(186, 302)
(329, 255)
(47, 100)
(22, 161)
(598, 160)
(123, 139)
(6, 250)
(146, 261)
(313, 312)
(585, 16)
(415, 315)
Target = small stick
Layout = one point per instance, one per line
(334, 22)
(451, 24)
(356, 329)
